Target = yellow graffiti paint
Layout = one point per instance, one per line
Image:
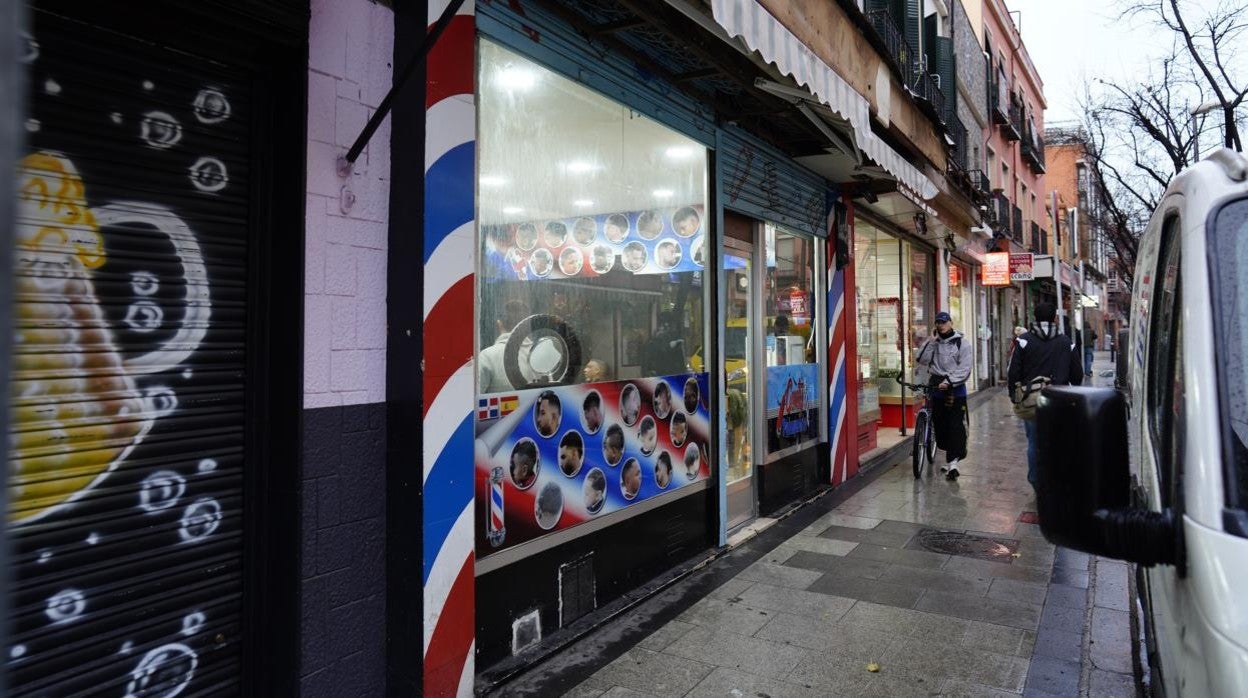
(76, 413)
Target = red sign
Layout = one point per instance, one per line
(955, 275)
(996, 269)
(1022, 267)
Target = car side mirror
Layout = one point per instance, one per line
(1084, 487)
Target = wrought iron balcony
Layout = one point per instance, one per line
(998, 98)
(1017, 228)
(899, 51)
(1013, 127)
(980, 183)
(1033, 151)
(1001, 214)
(958, 155)
(925, 87)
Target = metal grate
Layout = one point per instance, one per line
(965, 545)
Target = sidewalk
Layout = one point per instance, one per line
(947, 586)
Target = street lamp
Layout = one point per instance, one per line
(1197, 111)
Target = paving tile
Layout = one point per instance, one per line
(728, 649)
(1058, 618)
(815, 544)
(936, 580)
(901, 527)
(993, 638)
(959, 688)
(1072, 559)
(780, 553)
(1108, 684)
(654, 673)
(996, 670)
(1111, 585)
(929, 656)
(840, 564)
(589, 689)
(800, 602)
(858, 535)
(658, 640)
(998, 611)
(1003, 570)
(1111, 648)
(1012, 589)
(731, 588)
(739, 617)
(897, 682)
(872, 590)
(1059, 644)
(1028, 646)
(780, 575)
(843, 640)
(731, 682)
(622, 692)
(1053, 676)
(1074, 578)
(903, 622)
(1067, 596)
(830, 675)
(899, 556)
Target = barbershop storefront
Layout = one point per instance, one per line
(650, 327)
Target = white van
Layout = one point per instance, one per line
(1158, 474)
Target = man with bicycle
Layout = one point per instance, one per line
(944, 363)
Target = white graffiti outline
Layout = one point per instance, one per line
(144, 316)
(163, 673)
(204, 515)
(209, 174)
(168, 487)
(193, 623)
(160, 130)
(65, 606)
(211, 106)
(198, 296)
(144, 283)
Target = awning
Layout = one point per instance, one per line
(765, 34)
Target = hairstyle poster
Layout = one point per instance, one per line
(792, 404)
(552, 458)
(645, 242)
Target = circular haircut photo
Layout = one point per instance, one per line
(698, 249)
(602, 259)
(686, 221)
(595, 490)
(649, 225)
(613, 445)
(515, 256)
(679, 429)
(524, 463)
(570, 261)
(667, 254)
(648, 434)
(547, 413)
(584, 231)
(616, 228)
(526, 236)
(663, 470)
(630, 479)
(541, 262)
(630, 404)
(571, 453)
(634, 256)
(693, 462)
(555, 235)
(549, 506)
(662, 400)
(591, 412)
(692, 395)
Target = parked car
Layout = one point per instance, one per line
(1158, 472)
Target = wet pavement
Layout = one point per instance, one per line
(893, 587)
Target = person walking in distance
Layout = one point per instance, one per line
(1041, 356)
(945, 362)
(1089, 347)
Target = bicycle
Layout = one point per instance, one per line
(923, 450)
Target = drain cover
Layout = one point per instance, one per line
(966, 545)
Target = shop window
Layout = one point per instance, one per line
(793, 414)
(591, 297)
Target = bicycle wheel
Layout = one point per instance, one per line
(930, 442)
(918, 453)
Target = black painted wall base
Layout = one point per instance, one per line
(344, 543)
(791, 478)
(597, 569)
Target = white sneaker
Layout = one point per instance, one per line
(953, 471)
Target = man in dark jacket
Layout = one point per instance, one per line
(1043, 351)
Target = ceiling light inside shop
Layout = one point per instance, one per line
(580, 167)
(512, 210)
(516, 78)
(583, 203)
(493, 181)
(679, 152)
(663, 193)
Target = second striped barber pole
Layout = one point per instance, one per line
(497, 521)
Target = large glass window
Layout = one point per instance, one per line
(1229, 262)
(590, 303)
(793, 412)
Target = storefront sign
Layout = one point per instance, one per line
(1022, 267)
(548, 460)
(996, 269)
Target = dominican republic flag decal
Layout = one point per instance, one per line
(487, 408)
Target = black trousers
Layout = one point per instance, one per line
(949, 421)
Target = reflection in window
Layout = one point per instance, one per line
(792, 368)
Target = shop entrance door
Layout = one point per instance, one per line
(739, 361)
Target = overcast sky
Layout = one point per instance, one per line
(1074, 41)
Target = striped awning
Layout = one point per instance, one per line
(777, 45)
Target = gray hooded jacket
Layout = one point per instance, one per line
(951, 358)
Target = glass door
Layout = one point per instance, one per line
(738, 358)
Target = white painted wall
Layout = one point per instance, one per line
(351, 44)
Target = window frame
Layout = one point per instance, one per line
(1235, 513)
(1166, 429)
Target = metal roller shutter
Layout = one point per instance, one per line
(129, 392)
(764, 183)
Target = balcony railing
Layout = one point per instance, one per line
(999, 99)
(1017, 228)
(980, 183)
(1033, 150)
(959, 155)
(1013, 127)
(925, 87)
(919, 81)
(1001, 214)
(1037, 240)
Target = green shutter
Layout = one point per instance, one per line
(945, 65)
(913, 28)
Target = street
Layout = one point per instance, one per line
(845, 597)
